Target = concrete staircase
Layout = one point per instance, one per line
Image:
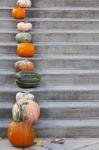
(66, 33)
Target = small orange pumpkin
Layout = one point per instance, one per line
(18, 13)
(24, 65)
(26, 49)
(21, 134)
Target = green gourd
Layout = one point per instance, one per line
(28, 79)
(23, 37)
(18, 113)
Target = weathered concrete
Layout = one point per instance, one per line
(70, 144)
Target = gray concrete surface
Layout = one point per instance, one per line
(70, 144)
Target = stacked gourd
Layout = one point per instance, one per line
(25, 111)
(26, 77)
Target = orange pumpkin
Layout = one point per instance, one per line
(18, 13)
(21, 134)
(24, 65)
(26, 49)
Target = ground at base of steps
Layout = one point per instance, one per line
(70, 144)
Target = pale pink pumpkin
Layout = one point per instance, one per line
(24, 3)
(22, 26)
(32, 111)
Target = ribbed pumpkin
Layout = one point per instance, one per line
(18, 13)
(27, 79)
(26, 49)
(23, 37)
(21, 134)
(21, 97)
(22, 26)
(29, 111)
(24, 3)
(24, 65)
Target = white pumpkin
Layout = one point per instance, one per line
(24, 3)
(22, 26)
(23, 97)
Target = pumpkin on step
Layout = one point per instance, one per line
(21, 97)
(24, 3)
(27, 79)
(23, 37)
(22, 26)
(21, 134)
(29, 111)
(18, 13)
(24, 65)
(26, 49)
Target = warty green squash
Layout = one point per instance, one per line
(23, 37)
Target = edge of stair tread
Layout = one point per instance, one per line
(55, 71)
(52, 19)
(54, 31)
(45, 123)
(71, 8)
(52, 104)
(51, 57)
(54, 43)
(64, 88)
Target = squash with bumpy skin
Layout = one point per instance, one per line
(21, 134)
(18, 13)
(24, 3)
(23, 37)
(23, 27)
(26, 49)
(23, 97)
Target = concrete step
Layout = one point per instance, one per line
(56, 12)
(52, 23)
(54, 3)
(55, 35)
(60, 92)
(55, 48)
(57, 77)
(58, 110)
(64, 128)
(57, 61)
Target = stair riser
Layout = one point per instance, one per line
(56, 49)
(54, 25)
(58, 79)
(55, 37)
(62, 132)
(55, 13)
(50, 63)
(54, 95)
(59, 113)
(56, 3)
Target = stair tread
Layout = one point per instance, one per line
(46, 123)
(61, 88)
(56, 8)
(54, 43)
(54, 31)
(52, 19)
(54, 71)
(52, 57)
(51, 104)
